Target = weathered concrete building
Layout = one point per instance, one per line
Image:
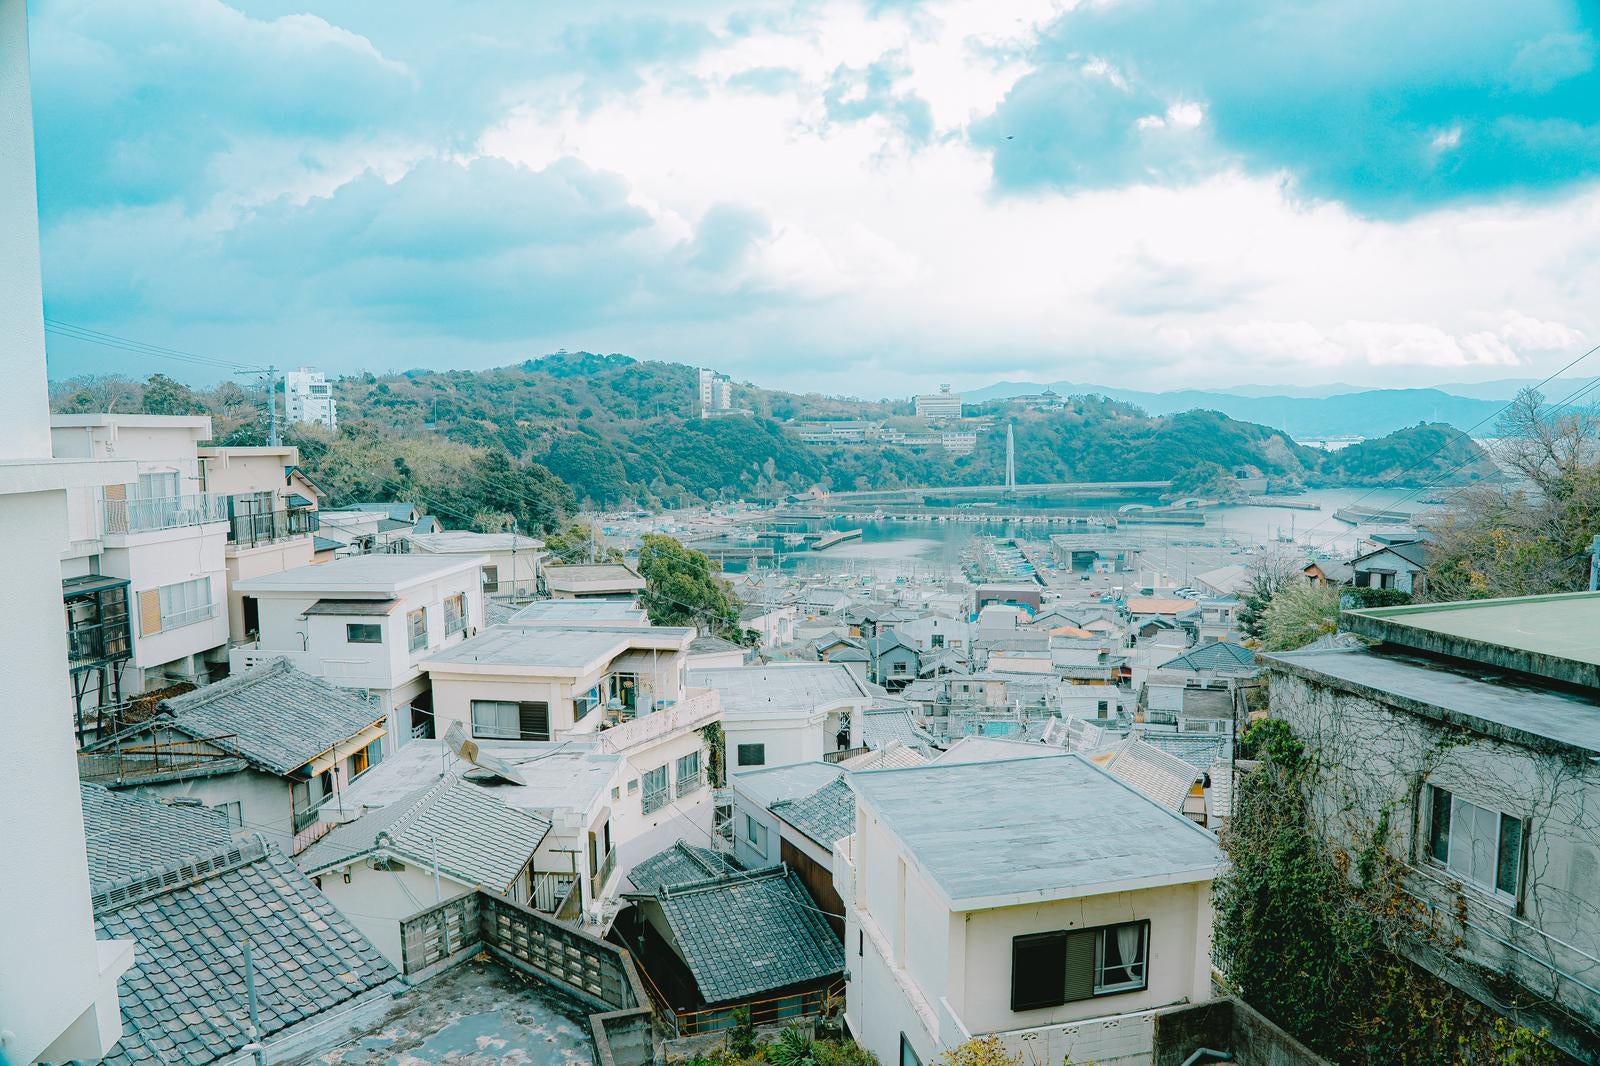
(1471, 731)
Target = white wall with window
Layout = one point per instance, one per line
(1481, 846)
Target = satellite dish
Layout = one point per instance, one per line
(467, 751)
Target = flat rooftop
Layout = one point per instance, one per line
(1508, 706)
(755, 690)
(559, 649)
(455, 541)
(1005, 833)
(557, 774)
(767, 785)
(555, 612)
(382, 573)
(584, 573)
(1547, 636)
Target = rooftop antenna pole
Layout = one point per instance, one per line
(255, 1012)
(272, 405)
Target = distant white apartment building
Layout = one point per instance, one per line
(308, 397)
(959, 443)
(367, 621)
(942, 404)
(715, 393)
(144, 575)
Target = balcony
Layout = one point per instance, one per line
(271, 527)
(699, 707)
(597, 883)
(125, 516)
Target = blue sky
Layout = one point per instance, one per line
(851, 197)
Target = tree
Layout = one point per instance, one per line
(1531, 535)
(1298, 614)
(577, 544)
(683, 589)
(1270, 572)
(164, 396)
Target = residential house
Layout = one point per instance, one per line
(585, 613)
(368, 622)
(1200, 689)
(710, 651)
(893, 663)
(510, 561)
(379, 526)
(1017, 898)
(774, 623)
(1470, 730)
(783, 713)
(1329, 572)
(273, 747)
(58, 978)
(781, 814)
(1402, 566)
(1026, 595)
(579, 581)
(146, 559)
(1158, 775)
(445, 840)
(620, 689)
(174, 882)
(272, 519)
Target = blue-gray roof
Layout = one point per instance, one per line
(279, 718)
(679, 865)
(880, 727)
(184, 1000)
(826, 815)
(991, 833)
(1219, 655)
(1196, 749)
(478, 839)
(128, 836)
(748, 933)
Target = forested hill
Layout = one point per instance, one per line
(622, 432)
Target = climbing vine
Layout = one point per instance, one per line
(1307, 932)
(716, 754)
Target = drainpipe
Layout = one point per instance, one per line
(1206, 1053)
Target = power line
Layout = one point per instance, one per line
(128, 344)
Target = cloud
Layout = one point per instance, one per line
(1390, 109)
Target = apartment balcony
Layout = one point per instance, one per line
(597, 883)
(698, 708)
(126, 517)
(271, 527)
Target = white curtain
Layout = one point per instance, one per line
(1129, 939)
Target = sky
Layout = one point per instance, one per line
(863, 197)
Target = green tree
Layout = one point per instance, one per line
(682, 588)
(164, 396)
(1299, 613)
(578, 544)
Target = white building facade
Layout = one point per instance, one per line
(308, 397)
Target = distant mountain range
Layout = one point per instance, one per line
(1311, 412)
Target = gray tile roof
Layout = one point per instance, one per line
(826, 815)
(1220, 655)
(1196, 749)
(184, 999)
(745, 934)
(478, 839)
(129, 836)
(680, 864)
(280, 718)
(1164, 778)
(881, 727)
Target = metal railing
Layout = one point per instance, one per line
(549, 890)
(250, 530)
(598, 882)
(656, 798)
(776, 1011)
(688, 783)
(98, 641)
(134, 761)
(163, 512)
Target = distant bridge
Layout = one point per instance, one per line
(996, 492)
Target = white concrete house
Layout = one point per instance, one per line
(1020, 898)
(368, 622)
(163, 534)
(58, 983)
(510, 566)
(579, 581)
(783, 713)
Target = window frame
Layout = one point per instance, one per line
(758, 842)
(351, 627)
(1446, 857)
(653, 798)
(759, 749)
(692, 778)
(417, 629)
(455, 605)
(1061, 940)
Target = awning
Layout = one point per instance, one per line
(344, 749)
(88, 584)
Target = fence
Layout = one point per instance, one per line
(779, 1010)
(163, 512)
(250, 530)
(598, 973)
(133, 761)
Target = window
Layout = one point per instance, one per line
(364, 760)
(908, 1056)
(689, 773)
(1049, 969)
(755, 834)
(417, 627)
(582, 705)
(491, 579)
(752, 755)
(363, 632)
(233, 811)
(506, 720)
(1479, 845)
(936, 641)
(898, 668)
(657, 790)
(455, 613)
(171, 606)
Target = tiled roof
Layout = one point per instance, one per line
(1196, 749)
(745, 934)
(184, 998)
(1164, 778)
(826, 815)
(881, 727)
(478, 839)
(280, 718)
(498, 612)
(128, 836)
(1219, 799)
(892, 755)
(1219, 655)
(679, 865)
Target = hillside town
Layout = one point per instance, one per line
(1085, 775)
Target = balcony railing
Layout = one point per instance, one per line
(98, 642)
(698, 707)
(156, 758)
(250, 530)
(163, 512)
(656, 798)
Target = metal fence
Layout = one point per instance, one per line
(158, 756)
(163, 512)
(779, 1010)
(250, 530)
